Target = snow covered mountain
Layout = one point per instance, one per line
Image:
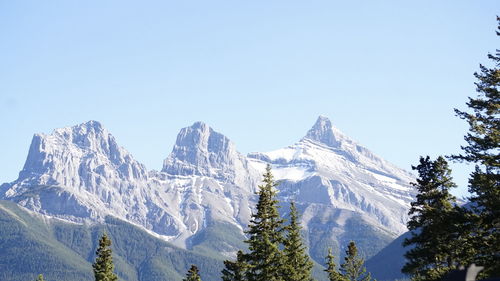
(80, 174)
(326, 167)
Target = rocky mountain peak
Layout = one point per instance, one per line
(199, 150)
(80, 153)
(324, 132)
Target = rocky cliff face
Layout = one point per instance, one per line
(83, 156)
(81, 174)
(200, 151)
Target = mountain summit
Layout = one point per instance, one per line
(324, 132)
(326, 167)
(201, 151)
(84, 155)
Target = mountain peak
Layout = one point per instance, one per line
(324, 132)
(83, 128)
(200, 124)
(90, 134)
(200, 136)
(76, 152)
(322, 124)
(199, 150)
(92, 125)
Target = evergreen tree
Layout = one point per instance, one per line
(298, 265)
(265, 259)
(40, 278)
(483, 149)
(331, 268)
(193, 274)
(103, 265)
(353, 268)
(235, 271)
(433, 223)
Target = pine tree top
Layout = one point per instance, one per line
(103, 265)
(331, 268)
(265, 258)
(298, 265)
(193, 274)
(353, 267)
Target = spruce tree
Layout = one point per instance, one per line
(193, 274)
(265, 258)
(353, 268)
(331, 268)
(483, 149)
(103, 265)
(235, 271)
(298, 265)
(432, 224)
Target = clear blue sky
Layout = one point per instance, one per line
(387, 73)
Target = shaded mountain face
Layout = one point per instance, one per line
(386, 265)
(343, 190)
(31, 244)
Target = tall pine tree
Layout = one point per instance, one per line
(265, 258)
(298, 265)
(235, 271)
(353, 268)
(483, 149)
(331, 268)
(432, 223)
(193, 274)
(103, 265)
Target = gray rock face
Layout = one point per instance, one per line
(201, 151)
(80, 174)
(85, 156)
(324, 132)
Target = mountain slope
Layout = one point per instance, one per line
(328, 168)
(203, 196)
(31, 244)
(387, 264)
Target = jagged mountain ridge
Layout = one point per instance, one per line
(347, 176)
(80, 174)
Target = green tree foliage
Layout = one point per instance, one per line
(298, 265)
(331, 268)
(235, 271)
(353, 268)
(40, 278)
(103, 265)
(483, 149)
(193, 274)
(265, 259)
(433, 223)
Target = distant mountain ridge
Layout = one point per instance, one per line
(80, 174)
